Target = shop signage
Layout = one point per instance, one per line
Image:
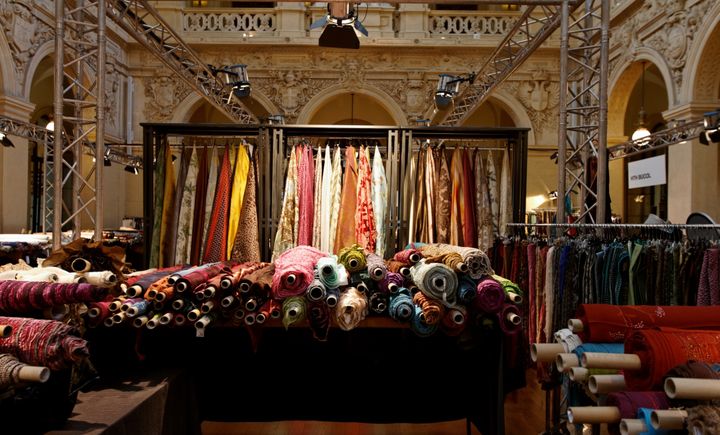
(647, 172)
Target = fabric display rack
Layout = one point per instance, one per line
(623, 324)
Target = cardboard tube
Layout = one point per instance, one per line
(362, 288)
(250, 319)
(118, 317)
(378, 273)
(575, 325)
(290, 279)
(439, 282)
(227, 301)
(193, 314)
(514, 297)
(154, 322)
(462, 267)
(513, 319)
(158, 305)
(160, 297)
(668, 419)
(632, 426)
(152, 294)
(260, 318)
(316, 293)
(404, 312)
(603, 384)
(328, 270)
(545, 352)
(108, 322)
(178, 304)
(166, 318)
(34, 374)
(207, 307)
(414, 258)
(331, 300)
(617, 361)
(593, 414)
(579, 374)
(139, 322)
(80, 265)
(251, 304)
(239, 314)
(245, 287)
(275, 313)
(179, 319)
(116, 304)
(203, 322)
(564, 361)
(199, 296)
(353, 263)
(209, 292)
(225, 283)
(57, 312)
(392, 287)
(690, 388)
(134, 291)
(405, 271)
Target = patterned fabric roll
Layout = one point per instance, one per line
(490, 296)
(214, 163)
(17, 297)
(456, 198)
(483, 213)
(294, 271)
(216, 243)
(467, 289)
(436, 280)
(365, 231)
(430, 194)
(351, 309)
(306, 206)
(326, 202)
(319, 319)
(317, 201)
(376, 267)
(187, 207)
(43, 342)
(353, 258)
(401, 306)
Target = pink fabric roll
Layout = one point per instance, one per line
(490, 296)
(297, 263)
(306, 194)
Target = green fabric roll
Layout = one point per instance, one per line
(294, 310)
(349, 253)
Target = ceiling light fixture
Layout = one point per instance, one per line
(642, 131)
(342, 29)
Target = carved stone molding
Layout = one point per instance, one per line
(540, 97)
(24, 32)
(290, 90)
(162, 95)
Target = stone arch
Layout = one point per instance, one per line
(381, 97)
(701, 80)
(45, 50)
(515, 109)
(649, 55)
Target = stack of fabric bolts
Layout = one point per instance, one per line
(447, 290)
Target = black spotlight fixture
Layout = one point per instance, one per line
(236, 77)
(711, 123)
(342, 29)
(448, 87)
(5, 141)
(132, 169)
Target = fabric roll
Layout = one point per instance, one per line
(709, 288)
(550, 294)
(317, 201)
(628, 402)
(43, 342)
(456, 199)
(216, 242)
(505, 209)
(198, 209)
(169, 227)
(365, 231)
(345, 235)
(379, 302)
(351, 309)
(392, 283)
(505, 325)
(247, 240)
(453, 260)
(420, 216)
(142, 282)
(259, 276)
(294, 271)
(598, 348)
(316, 291)
(477, 261)
(325, 201)
(238, 186)
(490, 296)
(408, 256)
(10, 371)
(332, 274)
(436, 281)
(375, 266)
(703, 420)
(101, 278)
(508, 286)
(186, 194)
(610, 323)
(306, 197)
(19, 297)
(401, 306)
(454, 321)
(442, 198)
(645, 414)
(319, 319)
(660, 350)
(430, 194)
(379, 201)
(695, 370)
(420, 328)
(431, 309)
(294, 311)
(284, 237)
(468, 202)
(353, 258)
(193, 277)
(158, 198)
(335, 200)
(398, 267)
(467, 289)
(163, 286)
(483, 214)
(532, 292)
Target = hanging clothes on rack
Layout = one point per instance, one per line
(158, 196)
(420, 217)
(167, 232)
(365, 232)
(216, 241)
(345, 235)
(317, 201)
(483, 213)
(468, 202)
(285, 235)
(336, 181)
(306, 197)
(493, 193)
(187, 206)
(182, 173)
(246, 245)
(442, 197)
(210, 195)
(198, 223)
(409, 196)
(456, 211)
(430, 194)
(239, 182)
(505, 209)
(379, 199)
(326, 202)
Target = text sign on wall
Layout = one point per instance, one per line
(647, 172)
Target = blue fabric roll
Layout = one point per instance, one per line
(599, 347)
(644, 415)
(420, 328)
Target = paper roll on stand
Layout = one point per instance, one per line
(668, 419)
(576, 325)
(546, 352)
(632, 426)
(694, 389)
(593, 414)
(603, 384)
(616, 361)
(564, 361)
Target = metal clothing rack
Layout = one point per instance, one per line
(699, 231)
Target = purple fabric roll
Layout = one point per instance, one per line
(490, 296)
(391, 278)
(18, 297)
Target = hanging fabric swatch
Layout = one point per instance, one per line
(167, 236)
(379, 198)
(420, 216)
(198, 209)
(505, 194)
(325, 201)
(483, 213)
(237, 192)
(442, 198)
(284, 238)
(492, 191)
(365, 232)
(187, 206)
(306, 196)
(430, 193)
(158, 195)
(317, 202)
(456, 199)
(210, 195)
(216, 243)
(247, 246)
(335, 198)
(709, 288)
(182, 173)
(345, 235)
(468, 202)
(409, 196)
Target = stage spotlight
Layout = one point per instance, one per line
(342, 29)
(448, 87)
(236, 77)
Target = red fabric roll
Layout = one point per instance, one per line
(404, 256)
(306, 193)
(298, 262)
(505, 325)
(490, 296)
(43, 342)
(609, 323)
(145, 280)
(197, 275)
(17, 297)
(662, 349)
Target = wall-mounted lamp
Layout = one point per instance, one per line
(236, 77)
(5, 141)
(711, 123)
(552, 195)
(448, 87)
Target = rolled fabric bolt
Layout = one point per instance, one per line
(668, 419)
(158, 305)
(377, 274)
(5, 331)
(118, 317)
(226, 283)
(545, 352)
(275, 312)
(199, 296)
(178, 304)
(579, 374)
(332, 298)
(251, 304)
(632, 426)
(116, 304)
(138, 308)
(327, 270)
(250, 319)
(575, 325)
(245, 287)
(80, 265)
(617, 361)
(166, 318)
(514, 297)
(513, 319)
(564, 361)
(458, 318)
(34, 374)
(209, 292)
(204, 322)
(101, 278)
(603, 384)
(228, 301)
(160, 297)
(57, 312)
(593, 414)
(260, 318)
(462, 267)
(414, 257)
(353, 263)
(153, 322)
(694, 389)
(151, 294)
(239, 314)
(362, 287)
(140, 321)
(207, 306)
(405, 271)
(194, 314)
(393, 288)
(179, 319)
(108, 322)
(134, 291)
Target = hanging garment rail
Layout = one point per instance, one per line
(620, 226)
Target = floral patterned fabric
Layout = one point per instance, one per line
(284, 237)
(365, 232)
(187, 205)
